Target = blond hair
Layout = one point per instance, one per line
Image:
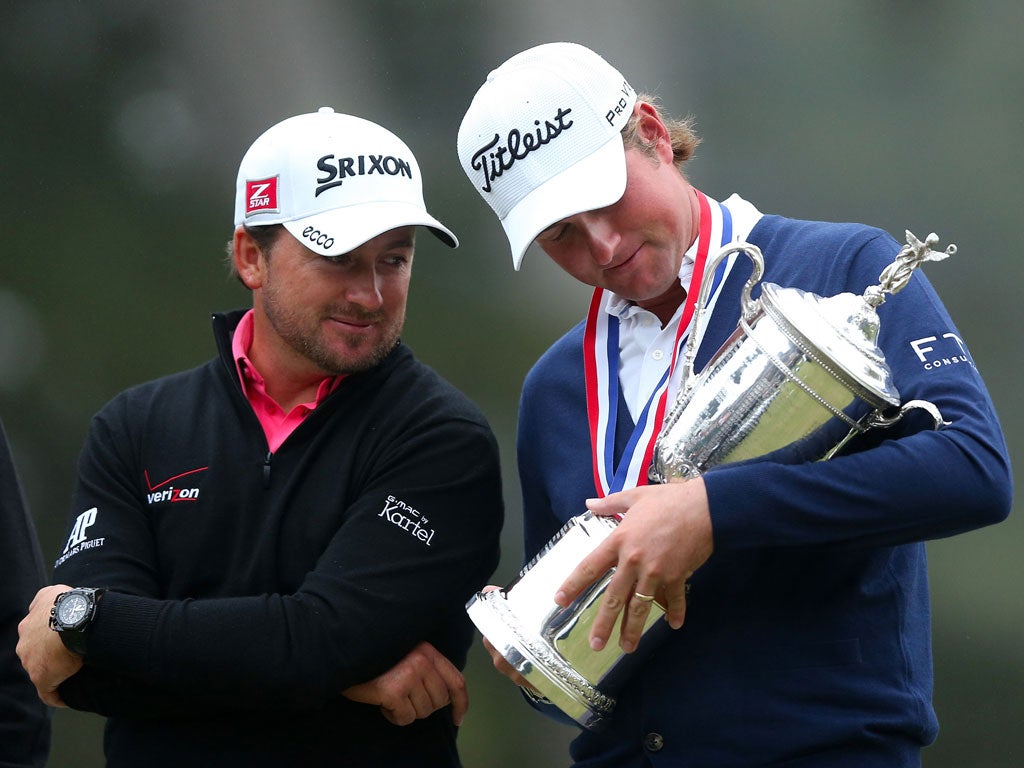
(681, 134)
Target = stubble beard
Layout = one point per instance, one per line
(335, 364)
(306, 335)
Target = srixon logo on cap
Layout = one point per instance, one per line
(261, 196)
(337, 169)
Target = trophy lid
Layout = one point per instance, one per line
(840, 333)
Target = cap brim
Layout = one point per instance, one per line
(597, 180)
(341, 230)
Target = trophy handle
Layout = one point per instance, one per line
(879, 419)
(749, 307)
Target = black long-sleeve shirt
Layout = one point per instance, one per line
(249, 589)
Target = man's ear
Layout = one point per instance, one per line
(652, 130)
(248, 258)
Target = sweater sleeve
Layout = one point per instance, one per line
(893, 485)
(24, 720)
(420, 535)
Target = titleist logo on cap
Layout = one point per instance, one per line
(494, 162)
(261, 196)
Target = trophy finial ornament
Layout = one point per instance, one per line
(895, 277)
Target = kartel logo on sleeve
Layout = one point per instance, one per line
(408, 519)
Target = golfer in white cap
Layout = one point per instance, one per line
(268, 555)
(807, 636)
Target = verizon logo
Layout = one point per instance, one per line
(165, 492)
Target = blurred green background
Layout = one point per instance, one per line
(123, 122)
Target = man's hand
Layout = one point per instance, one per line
(663, 539)
(41, 650)
(502, 665)
(418, 685)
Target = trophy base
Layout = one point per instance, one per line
(549, 645)
(533, 658)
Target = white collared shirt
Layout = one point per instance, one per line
(645, 348)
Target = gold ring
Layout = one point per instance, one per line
(643, 598)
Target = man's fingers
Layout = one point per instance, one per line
(423, 699)
(435, 694)
(590, 569)
(418, 700)
(419, 685)
(634, 618)
(675, 603)
(401, 713)
(501, 664)
(614, 602)
(454, 690)
(613, 504)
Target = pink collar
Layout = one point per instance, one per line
(277, 424)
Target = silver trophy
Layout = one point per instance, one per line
(790, 384)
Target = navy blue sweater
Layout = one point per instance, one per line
(807, 641)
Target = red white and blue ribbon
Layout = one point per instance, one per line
(601, 367)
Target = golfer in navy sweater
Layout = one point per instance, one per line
(807, 640)
(270, 552)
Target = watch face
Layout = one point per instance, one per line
(72, 610)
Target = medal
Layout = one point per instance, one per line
(601, 368)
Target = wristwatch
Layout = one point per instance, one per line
(72, 613)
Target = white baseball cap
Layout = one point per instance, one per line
(542, 138)
(334, 181)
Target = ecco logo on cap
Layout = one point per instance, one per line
(261, 196)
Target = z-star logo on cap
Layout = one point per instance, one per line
(261, 196)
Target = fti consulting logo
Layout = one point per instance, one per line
(941, 351)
